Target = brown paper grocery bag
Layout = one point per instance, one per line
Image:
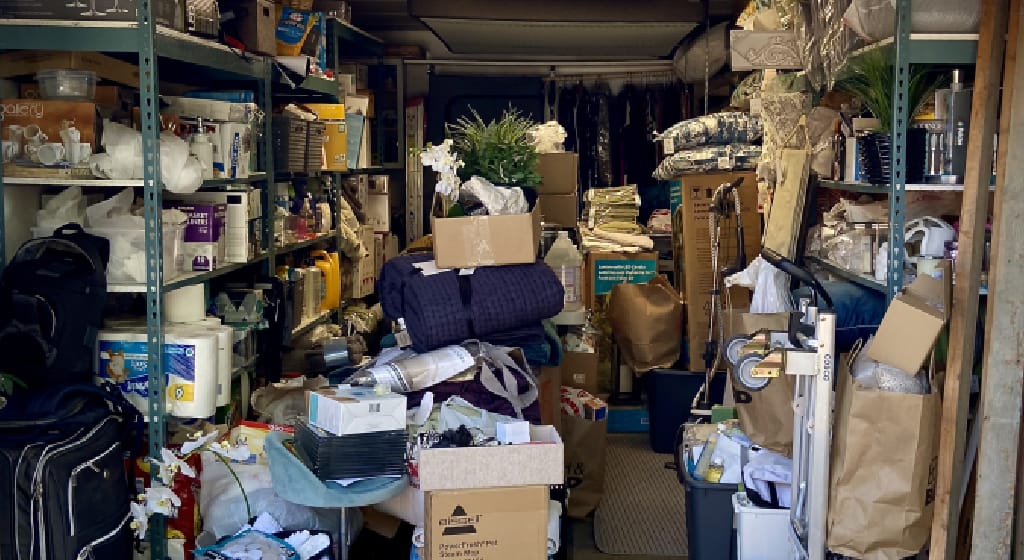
(766, 416)
(585, 443)
(884, 455)
(647, 323)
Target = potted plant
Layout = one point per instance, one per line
(500, 151)
(870, 77)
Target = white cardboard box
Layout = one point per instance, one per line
(539, 463)
(378, 213)
(344, 410)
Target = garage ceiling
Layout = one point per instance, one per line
(581, 29)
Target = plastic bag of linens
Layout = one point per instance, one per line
(122, 159)
(717, 129)
(736, 157)
(874, 20)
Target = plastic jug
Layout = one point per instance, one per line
(567, 263)
(931, 233)
(332, 279)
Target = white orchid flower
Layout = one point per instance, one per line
(170, 464)
(201, 440)
(160, 499)
(237, 453)
(140, 519)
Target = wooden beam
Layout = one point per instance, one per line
(1001, 391)
(964, 318)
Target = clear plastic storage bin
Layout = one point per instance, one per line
(67, 84)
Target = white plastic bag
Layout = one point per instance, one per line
(498, 201)
(769, 284)
(456, 412)
(548, 138)
(766, 468)
(66, 207)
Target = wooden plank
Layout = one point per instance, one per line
(1001, 391)
(964, 318)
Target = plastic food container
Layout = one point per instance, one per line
(128, 249)
(67, 84)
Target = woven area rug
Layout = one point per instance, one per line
(643, 511)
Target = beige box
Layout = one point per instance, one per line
(559, 173)
(489, 524)
(912, 323)
(560, 209)
(579, 370)
(539, 462)
(378, 212)
(472, 241)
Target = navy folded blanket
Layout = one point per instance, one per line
(448, 307)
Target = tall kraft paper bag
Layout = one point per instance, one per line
(766, 416)
(884, 456)
(585, 444)
(647, 323)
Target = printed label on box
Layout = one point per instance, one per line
(125, 363)
(608, 273)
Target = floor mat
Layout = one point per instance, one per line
(643, 510)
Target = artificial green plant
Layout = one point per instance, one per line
(500, 151)
(869, 76)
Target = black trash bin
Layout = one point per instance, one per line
(709, 515)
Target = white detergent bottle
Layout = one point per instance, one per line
(567, 263)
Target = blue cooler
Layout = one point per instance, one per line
(670, 393)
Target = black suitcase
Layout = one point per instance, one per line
(62, 465)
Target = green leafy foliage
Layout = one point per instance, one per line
(500, 151)
(870, 77)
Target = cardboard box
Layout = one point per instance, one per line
(560, 209)
(379, 184)
(473, 241)
(549, 383)
(540, 462)
(360, 71)
(912, 324)
(166, 12)
(205, 239)
(604, 270)
(490, 524)
(108, 96)
(50, 115)
(344, 410)
(335, 146)
(559, 173)
(24, 63)
(360, 103)
(379, 241)
(346, 84)
(579, 370)
(258, 26)
(378, 212)
(696, 280)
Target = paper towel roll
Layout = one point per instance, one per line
(418, 539)
(189, 364)
(225, 339)
(185, 305)
(554, 527)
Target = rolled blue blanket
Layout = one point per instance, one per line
(447, 307)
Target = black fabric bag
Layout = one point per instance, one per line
(62, 467)
(51, 307)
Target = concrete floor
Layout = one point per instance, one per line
(585, 549)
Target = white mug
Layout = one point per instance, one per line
(80, 153)
(35, 135)
(11, 150)
(51, 153)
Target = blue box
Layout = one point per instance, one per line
(628, 419)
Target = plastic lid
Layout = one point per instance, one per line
(62, 72)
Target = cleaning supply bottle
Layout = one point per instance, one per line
(566, 261)
(201, 147)
(332, 279)
(309, 217)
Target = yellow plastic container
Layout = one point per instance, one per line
(332, 279)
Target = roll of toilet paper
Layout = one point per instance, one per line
(189, 364)
(185, 305)
(554, 527)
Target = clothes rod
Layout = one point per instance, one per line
(639, 64)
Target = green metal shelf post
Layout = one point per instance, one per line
(900, 122)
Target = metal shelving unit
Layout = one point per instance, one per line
(190, 58)
(859, 279)
(909, 49)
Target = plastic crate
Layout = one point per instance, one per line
(670, 393)
(761, 534)
(709, 518)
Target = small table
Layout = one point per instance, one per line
(294, 482)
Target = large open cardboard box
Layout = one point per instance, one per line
(540, 462)
(472, 241)
(912, 323)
